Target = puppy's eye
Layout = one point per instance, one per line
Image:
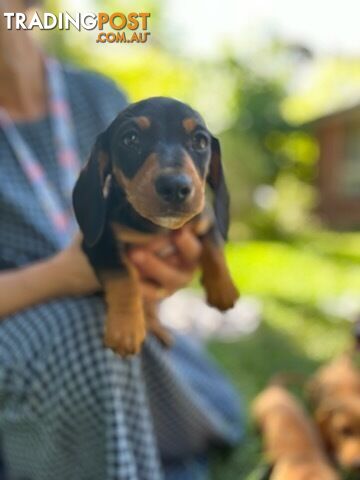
(131, 139)
(199, 141)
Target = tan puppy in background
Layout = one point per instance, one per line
(335, 393)
(291, 442)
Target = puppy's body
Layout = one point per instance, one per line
(335, 394)
(286, 428)
(291, 441)
(145, 177)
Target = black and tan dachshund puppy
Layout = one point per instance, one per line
(147, 175)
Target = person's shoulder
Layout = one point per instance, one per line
(96, 86)
(94, 92)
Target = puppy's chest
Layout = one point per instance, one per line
(126, 236)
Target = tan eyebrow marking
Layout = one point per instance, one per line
(189, 124)
(143, 122)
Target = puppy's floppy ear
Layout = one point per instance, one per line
(216, 180)
(89, 198)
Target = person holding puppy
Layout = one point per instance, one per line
(69, 408)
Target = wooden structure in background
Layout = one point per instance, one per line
(339, 167)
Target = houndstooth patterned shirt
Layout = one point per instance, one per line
(69, 408)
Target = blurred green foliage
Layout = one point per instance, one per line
(333, 84)
(263, 149)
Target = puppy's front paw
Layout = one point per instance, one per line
(221, 293)
(125, 333)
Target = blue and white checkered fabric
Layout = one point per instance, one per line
(69, 408)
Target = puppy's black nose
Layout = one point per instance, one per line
(174, 188)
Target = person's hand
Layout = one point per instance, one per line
(167, 263)
(74, 270)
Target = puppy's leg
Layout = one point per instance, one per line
(154, 326)
(125, 323)
(220, 289)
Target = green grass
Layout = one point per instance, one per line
(295, 336)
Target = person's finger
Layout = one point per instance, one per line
(163, 246)
(174, 260)
(153, 292)
(156, 269)
(188, 246)
(157, 243)
(171, 257)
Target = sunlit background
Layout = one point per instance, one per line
(279, 82)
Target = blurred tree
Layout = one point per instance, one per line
(332, 83)
(271, 162)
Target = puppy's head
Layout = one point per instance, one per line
(339, 424)
(160, 153)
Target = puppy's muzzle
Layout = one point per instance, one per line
(174, 188)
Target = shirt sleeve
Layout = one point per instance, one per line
(106, 98)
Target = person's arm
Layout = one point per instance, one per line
(69, 273)
(66, 273)
(24, 287)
